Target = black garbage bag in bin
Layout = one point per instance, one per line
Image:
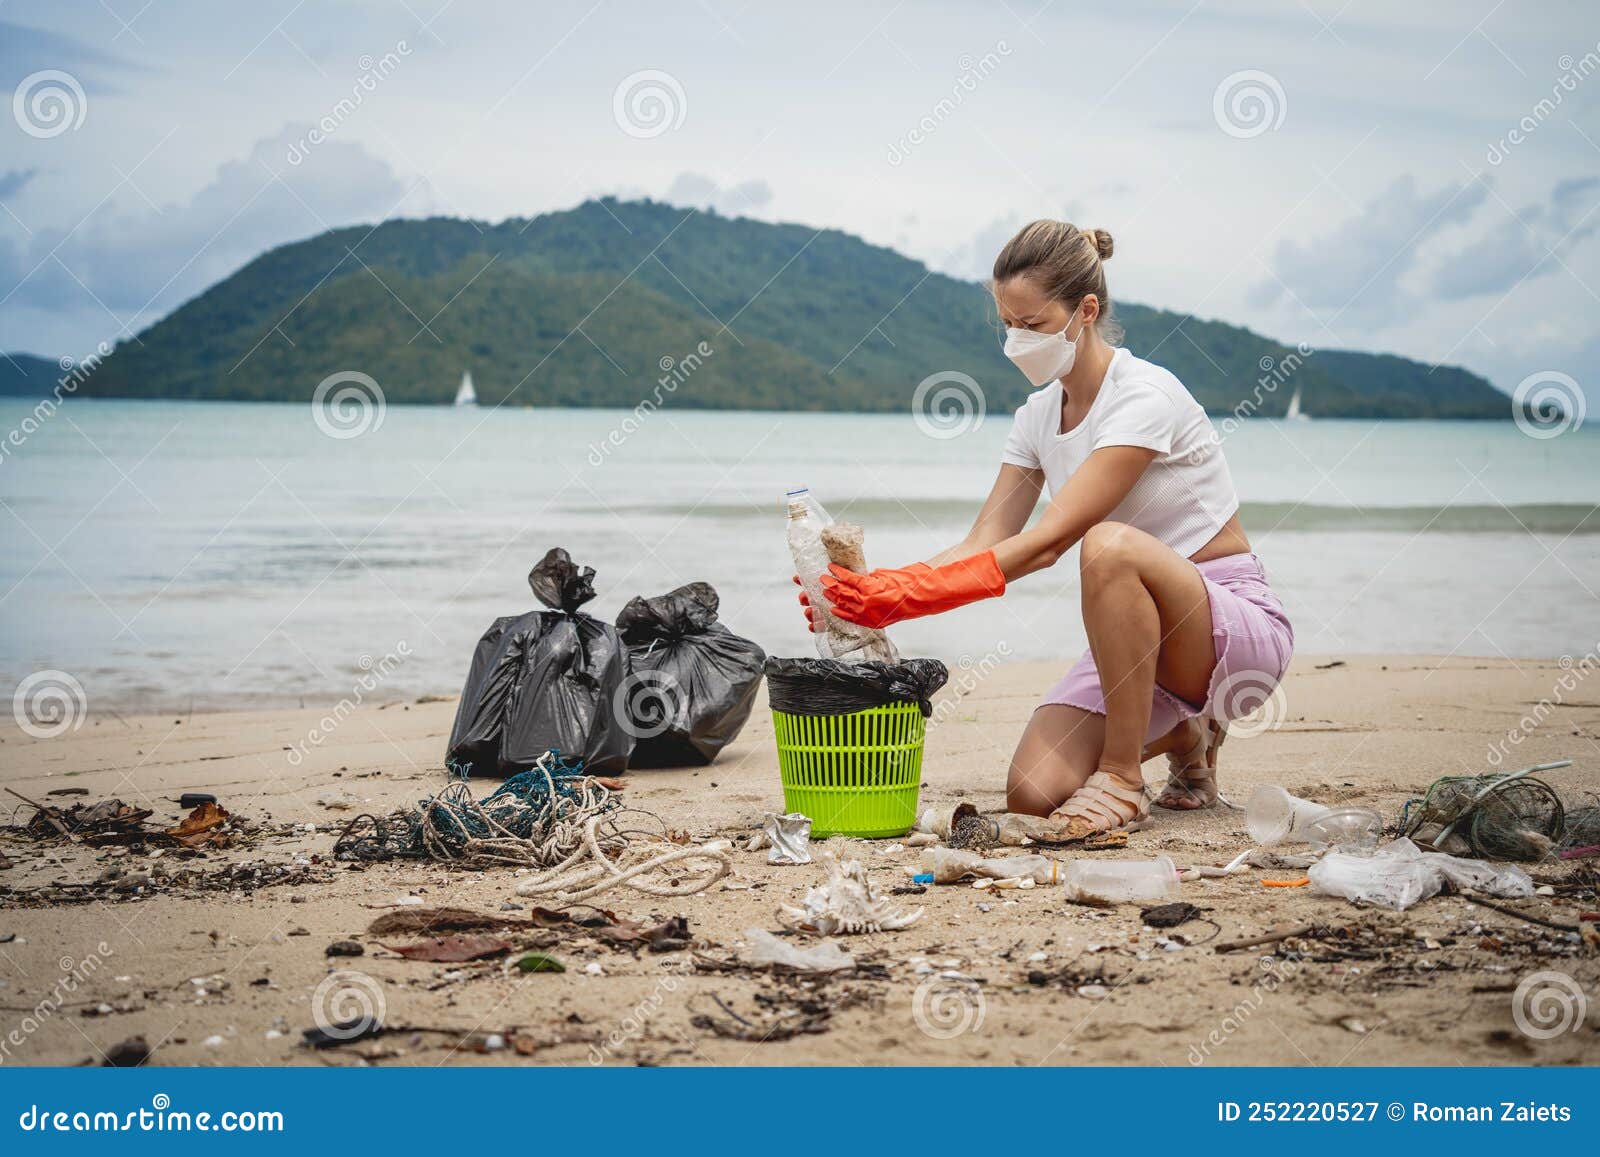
(831, 687)
(545, 679)
(692, 682)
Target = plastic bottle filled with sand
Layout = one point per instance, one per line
(815, 540)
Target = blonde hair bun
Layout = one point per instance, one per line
(1065, 263)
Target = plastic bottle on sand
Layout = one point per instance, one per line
(1116, 881)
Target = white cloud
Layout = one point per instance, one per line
(126, 266)
(696, 191)
(1521, 246)
(1360, 266)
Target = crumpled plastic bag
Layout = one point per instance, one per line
(832, 687)
(765, 948)
(788, 838)
(1401, 874)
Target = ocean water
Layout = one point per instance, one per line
(178, 554)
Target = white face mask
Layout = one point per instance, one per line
(1043, 357)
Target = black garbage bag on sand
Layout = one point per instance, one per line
(545, 679)
(830, 687)
(691, 683)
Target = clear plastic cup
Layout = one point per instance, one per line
(1273, 816)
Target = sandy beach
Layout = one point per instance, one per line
(212, 976)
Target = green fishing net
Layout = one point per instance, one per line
(1495, 817)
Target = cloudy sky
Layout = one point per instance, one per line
(1419, 178)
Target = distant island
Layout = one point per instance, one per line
(603, 304)
(26, 376)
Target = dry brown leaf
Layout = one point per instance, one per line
(437, 920)
(452, 949)
(202, 819)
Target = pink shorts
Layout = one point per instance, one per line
(1253, 640)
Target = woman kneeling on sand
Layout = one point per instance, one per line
(1184, 632)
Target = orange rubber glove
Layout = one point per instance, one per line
(881, 598)
(805, 599)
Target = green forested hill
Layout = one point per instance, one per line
(581, 308)
(23, 375)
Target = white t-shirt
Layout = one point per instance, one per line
(1185, 495)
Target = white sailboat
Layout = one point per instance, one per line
(1294, 413)
(466, 395)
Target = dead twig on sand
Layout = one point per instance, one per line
(1505, 911)
(1273, 937)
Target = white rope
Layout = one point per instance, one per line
(558, 828)
(589, 871)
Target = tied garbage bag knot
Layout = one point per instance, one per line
(689, 610)
(561, 584)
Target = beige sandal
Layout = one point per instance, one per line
(1103, 804)
(1193, 774)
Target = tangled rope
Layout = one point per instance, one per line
(535, 819)
(606, 862)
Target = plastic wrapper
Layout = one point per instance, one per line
(1401, 874)
(544, 680)
(788, 838)
(765, 948)
(692, 683)
(831, 687)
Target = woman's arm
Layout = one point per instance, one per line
(1004, 514)
(1090, 495)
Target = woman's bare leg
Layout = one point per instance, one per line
(1148, 619)
(1057, 752)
